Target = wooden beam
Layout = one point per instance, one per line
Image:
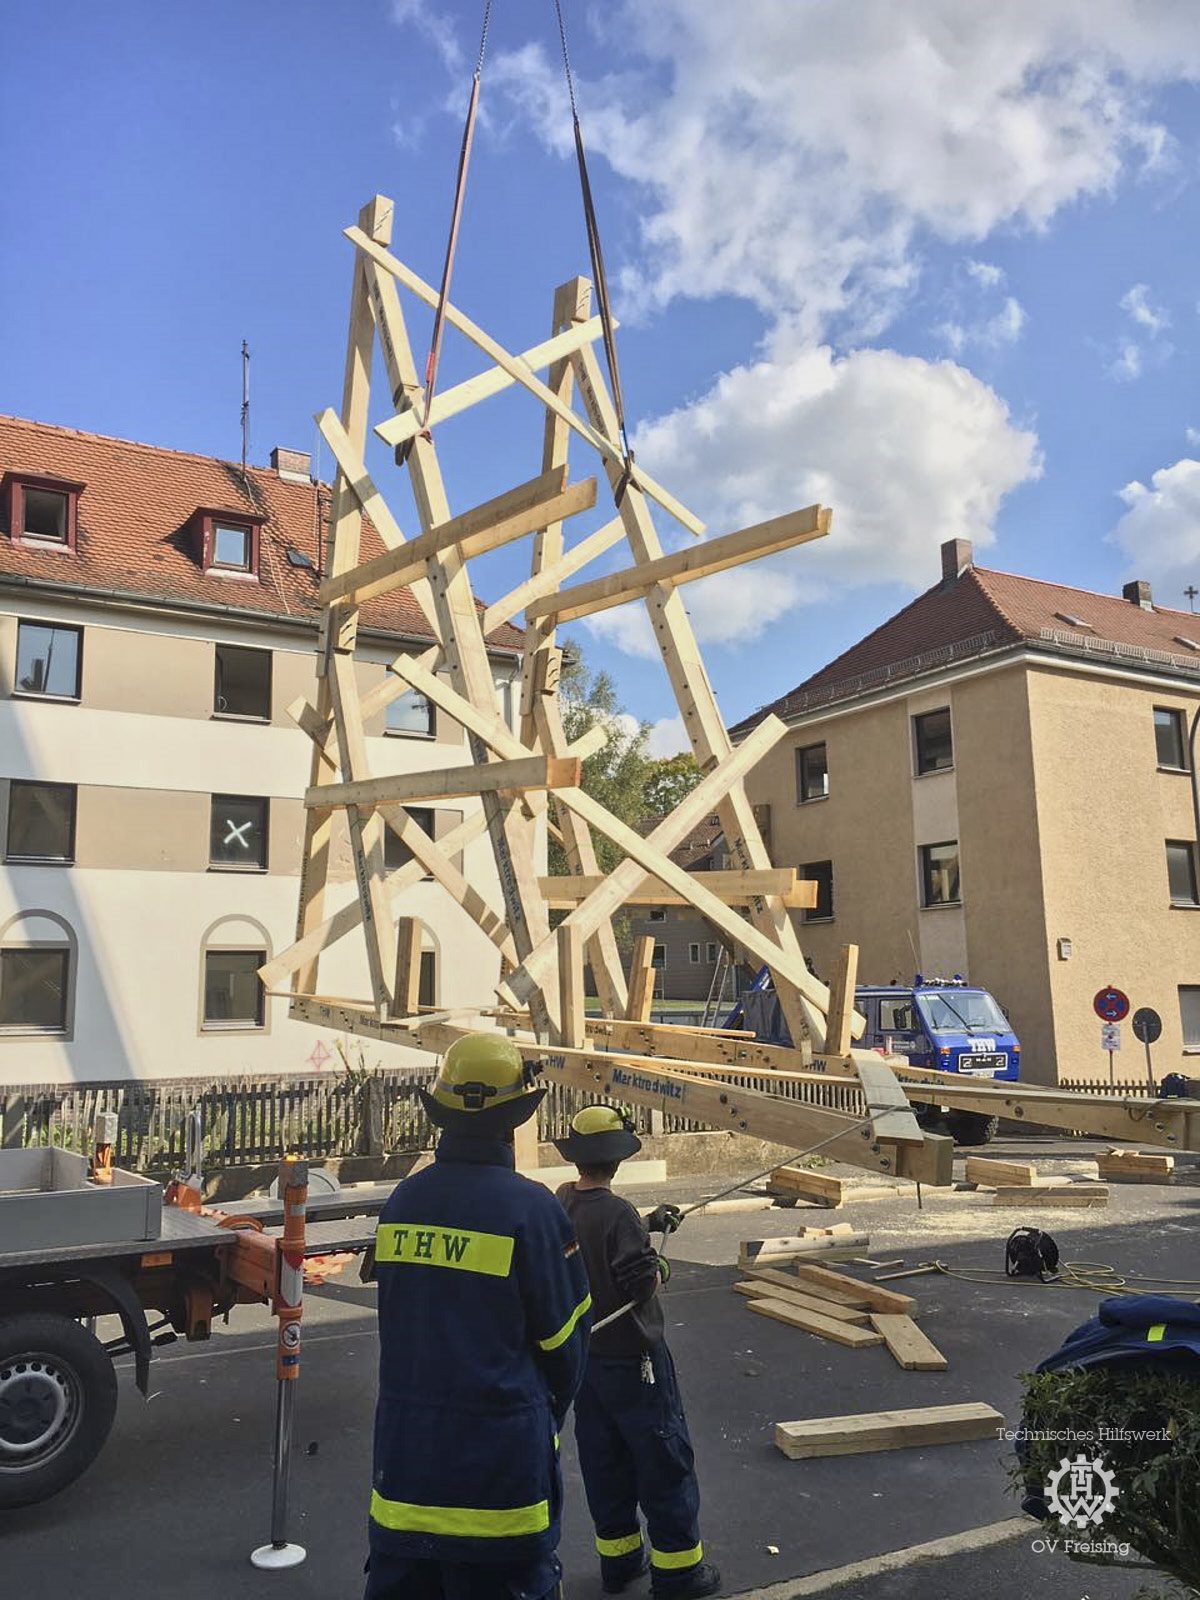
(908, 1344)
(731, 888)
(817, 1187)
(684, 566)
(485, 527)
(570, 985)
(891, 1113)
(1041, 1194)
(838, 1023)
(877, 1299)
(1134, 1166)
(641, 979)
(780, 1289)
(830, 1328)
(517, 370)
(448, 783)
(438, 864)
(727, 1052)
(987, 1170)
(887, 1430)
(549, 579)
(407, 988)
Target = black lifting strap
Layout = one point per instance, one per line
(601, 279)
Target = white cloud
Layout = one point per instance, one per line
(667, 738)
(1127, 365)
(1192, 435)
(797, 158)
(1001, 329)
(1143, 311)
(435, 27)
(985, 274)
(1160, 530)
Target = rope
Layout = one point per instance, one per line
(1095, 1277)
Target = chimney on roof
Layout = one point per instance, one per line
(958, 556)
(293, 466)
(1138, 594)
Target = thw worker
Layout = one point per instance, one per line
(484, 1313)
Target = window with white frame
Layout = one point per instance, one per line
(1189, 1015)
(233, 991)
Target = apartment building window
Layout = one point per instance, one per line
(933, 742)
(396, 853)
(243, 683)
(232, 546)
(658, 914)
(427, 989)
(940, 883)
(43, 511)
(233, 991)
(812, 773)
(41, 822)
(658, 957)
(238, 833)
(710, 952)
(410, 713)
(820, 873)
(1189, 1016)
(1170, 738)
(1181, 872)
(694, 954)
(49, 659)
(33, 990)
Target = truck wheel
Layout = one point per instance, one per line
(972, 1127)
(58, 1397)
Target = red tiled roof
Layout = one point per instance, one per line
(696, 848)
(983, 611)
(134, 535)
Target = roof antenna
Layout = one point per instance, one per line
(245, 406)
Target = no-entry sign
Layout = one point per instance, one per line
(1111, 1005)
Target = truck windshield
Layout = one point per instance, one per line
(972, 1010)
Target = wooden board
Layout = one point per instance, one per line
(887, 1430)
(641, 979)
(840, 1019)
(756, 1289)
(1067, 1194)
(813, 1186)
(789, 1281)
(448, 783)
(825, 1327)
(1133, 1166)
(802, 1245)
(909, 1346)
(731, 888)
(877, 1299)
(989, 1170)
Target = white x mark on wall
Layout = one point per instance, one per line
(238, 833)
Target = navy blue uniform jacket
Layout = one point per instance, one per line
(483, 1327)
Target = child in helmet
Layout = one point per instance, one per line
(634, 1448)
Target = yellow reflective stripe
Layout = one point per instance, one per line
(462, 1248)
(556, 1441)
(460, 1522)
(676, 1558)
(1155, 1334)
(619, 1547)
(568, 1327)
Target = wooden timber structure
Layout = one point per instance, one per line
(529, 782)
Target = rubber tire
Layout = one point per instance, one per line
(75, 1348)
(972, 1127)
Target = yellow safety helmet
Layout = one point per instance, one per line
(599, 1134)
(483, 1085)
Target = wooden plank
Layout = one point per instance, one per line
(838, 1022)
(887, 1430)
(991, 1170)
(407, 989)
(814, 1186)
(731, 888)
(684, 566)
(891, 1115)
(518, 370)
(438, 864)
(485, 527)
(570, 984)
(449, 783)
(641, 978)
(1067, 1194)
(703, 1050)
(908, 1344)
(877, 1299)
(814, 1322)
(775, 1251)
(790, 1294)
(548, 579)
(1134, 1166)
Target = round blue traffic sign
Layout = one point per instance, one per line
(1111, 1005)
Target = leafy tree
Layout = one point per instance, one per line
(616, 775)
(668, 781)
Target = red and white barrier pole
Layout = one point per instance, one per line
(289, 1309)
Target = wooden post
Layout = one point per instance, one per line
(407, 988)
(841, 1002)
(570, 985)
(641, 979)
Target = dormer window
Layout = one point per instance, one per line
(42, 511)
(228, 542)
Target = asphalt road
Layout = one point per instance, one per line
(181, 1493)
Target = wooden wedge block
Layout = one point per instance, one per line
(908, 1344)
(1068, 1194)
(877, 1299)
(987, 1169)
(756, 1289)
(1131, 1166)
(886, 1430)
(814, 1322)
(789, 1280)
(814, 1186)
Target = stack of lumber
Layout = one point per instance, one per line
(993, 1173)
(886, 1430)
(819, 1189)
(839, 1243)
(842, 1309)
(1133, 1166)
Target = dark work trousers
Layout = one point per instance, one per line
(400, 1578)
(634, 1450)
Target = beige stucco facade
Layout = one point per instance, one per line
(140, 903)
(1061, 814)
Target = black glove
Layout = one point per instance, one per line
(664, 1219)
(664, 1269)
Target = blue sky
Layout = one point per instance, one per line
(934, 267)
